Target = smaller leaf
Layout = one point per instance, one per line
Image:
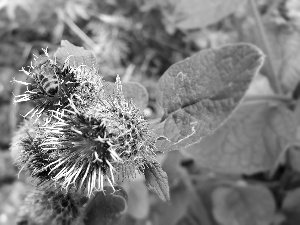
(243, 205)
(157, 180)
(76, 56)
(107, 207)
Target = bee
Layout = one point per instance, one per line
(49, 83)
(46, 78)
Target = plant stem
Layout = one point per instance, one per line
(79, 33)
(272, 76)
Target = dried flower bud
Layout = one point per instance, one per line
(52, 85)
(34, 160)
(51, 208)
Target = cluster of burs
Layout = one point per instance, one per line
(79, 138)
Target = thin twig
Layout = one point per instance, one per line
(271, 98)
(272, 76)
(128, 73)
(79, 33)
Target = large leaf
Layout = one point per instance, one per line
(107, 207)
(74, 56)
(252, 140)
(249, 205)
(198, 93)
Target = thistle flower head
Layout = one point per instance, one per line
(89, 137)
(89, 147)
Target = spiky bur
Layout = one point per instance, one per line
(24, 129)
(91, 147)
(51, 208)
(53, 84)
(34, 160)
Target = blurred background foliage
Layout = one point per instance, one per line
(140, 39)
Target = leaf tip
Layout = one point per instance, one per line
(157, 181)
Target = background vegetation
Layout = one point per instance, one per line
(140, 40)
